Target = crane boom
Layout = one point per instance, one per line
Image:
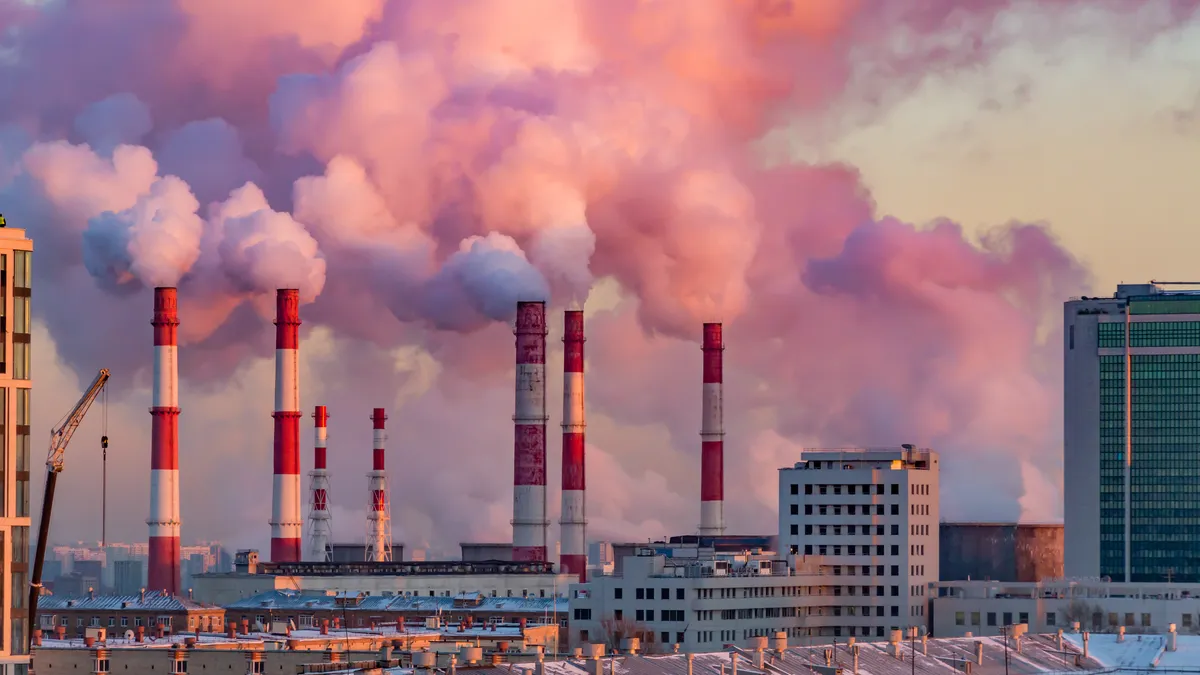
(60, 436)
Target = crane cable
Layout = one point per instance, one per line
(104, 469)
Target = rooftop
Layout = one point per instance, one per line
(151, 601)
(255, 640)
(315, 600)
(402, 569)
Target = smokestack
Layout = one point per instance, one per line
(573, 524)
(285, 499)
(529, 461)
(712, 434)
(320, 531)
(379, 519)
(163, 565)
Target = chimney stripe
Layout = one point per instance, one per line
(712, 433)
(529, 434)
(286, 520)
(319, 530)
(379, 532)
(573, 521)
(163, 564)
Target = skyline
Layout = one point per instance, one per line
(973, 157)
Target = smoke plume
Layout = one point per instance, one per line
(417, 167)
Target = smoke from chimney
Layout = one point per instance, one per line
(712, 434)
(529, 461)
(286, 520)
(573, 522)
(320, 532)
(163, 564)
(379, 517)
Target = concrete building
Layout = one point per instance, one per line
(120, 613)
(128, 576)
(1131, 510)
(1000, 552)
(480, 552)
(871, 515)
(984, 607)
(16, 384)
(444, 578)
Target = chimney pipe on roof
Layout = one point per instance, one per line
(529, 460)
(712, 435)
(285, 496)
(162, 566)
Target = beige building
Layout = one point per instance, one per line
(145, 612)
(984, 608)
(15, 386)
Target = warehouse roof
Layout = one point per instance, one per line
(356, 601)
(151, 602)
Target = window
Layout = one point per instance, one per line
(895, 488)
(618, 614)
(991, 617)
(895, 530)
(180, 667)
(640, 593)
(1008, 618)
(975, 619)
(1187, 620)
(124, 621)
(583, 614)
(640, 614)
(666, 637)
(1145, 619)
(617, 593)
(895, 509)
(960, 618)
(895, 590)
(679, 637)
(794, 509)
(19, 326)
(895, 549)
(649, 615)
(895, 610)
(796, 488)
(1023, 617)
(679, 594)
(808, 529)
(795, 529)
(22, 452)
(808, 509)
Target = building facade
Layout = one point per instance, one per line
(703, 603)
(120, 613)
(984, 608)
(16, 383)
(1000, 552)
(870, 517)
(1131, 511)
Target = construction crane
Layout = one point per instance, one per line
(60, 436)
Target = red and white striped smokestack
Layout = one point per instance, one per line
(573, 523)
(163, 566)
(285, 497)
(529, 460)
(319, 530)
(712, 435)
(379, 519)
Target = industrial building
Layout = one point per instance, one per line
(986, 607)
(16, 386)
(1000, 551)
(446, 578)
(1131, 427)
(145, 612)
(871, 515)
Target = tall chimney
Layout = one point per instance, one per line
(163, 565)
(319, 526)
(529, 461)
(712, 433)
(573, 523)
(285, 499)
(379, 519)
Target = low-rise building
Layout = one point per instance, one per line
(493, 578)
(986, 607)
(121, 613)
(702, 603)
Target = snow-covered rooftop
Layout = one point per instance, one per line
(248, 640)
(315, 600)
(151, 602)
(1140, 652)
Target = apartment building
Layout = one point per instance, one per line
(870, 518)
(701, 602)
(147, 611)
(16, 384)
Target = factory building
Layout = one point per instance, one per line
(870, 515)
(1000, 552)
(1131, 428)
(702, 602)
(16, 385)
(984, 608)
(431, 579)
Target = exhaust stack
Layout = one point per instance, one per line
(529, 461)
(712, 435)
(163, 565)
(320, 530)
(286, 520)
(573, 524)
(379, 518)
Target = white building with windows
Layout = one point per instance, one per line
(701, 602)
(870, 517)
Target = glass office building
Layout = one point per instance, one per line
(1132, 435)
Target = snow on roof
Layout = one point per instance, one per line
(252, 639)
(288, 600)
(152, 602)
(1140, 652)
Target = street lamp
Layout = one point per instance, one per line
(1004, 630)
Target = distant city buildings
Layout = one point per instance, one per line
(1132, 434)
(121, 568)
